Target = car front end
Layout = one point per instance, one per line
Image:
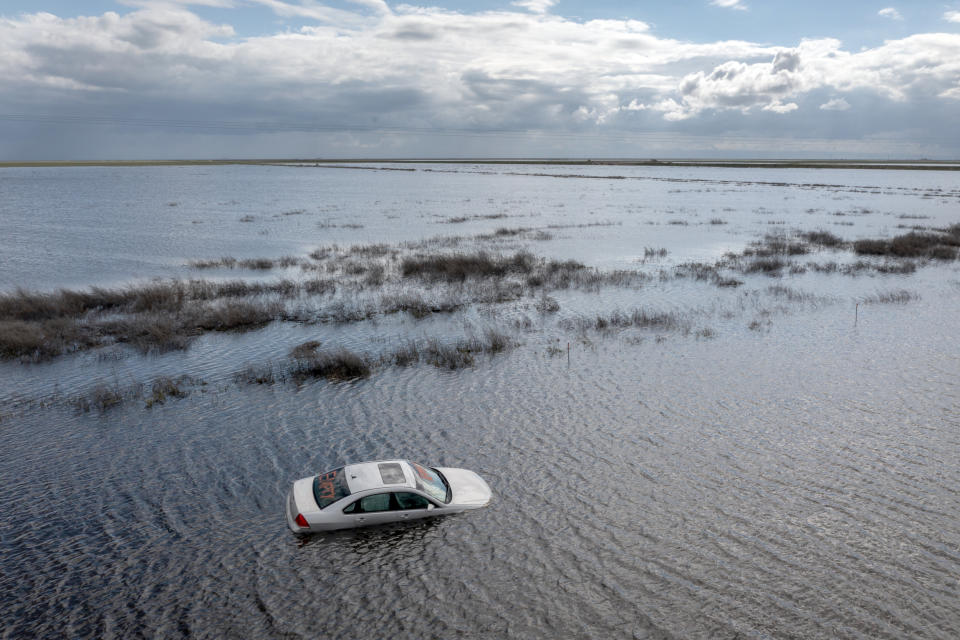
(468, 489)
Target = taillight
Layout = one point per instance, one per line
(302, 521)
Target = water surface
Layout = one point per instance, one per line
(794, 479)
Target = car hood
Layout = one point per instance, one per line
(466, 486)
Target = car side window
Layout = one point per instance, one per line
(352, 507)
(375, 503)
(410, 501)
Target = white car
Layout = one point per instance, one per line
(368, 493)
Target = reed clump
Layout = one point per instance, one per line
(234, 315)
(462, 353)
(770, 266)
(637, 318)
(937, 246)
(156, 316)
(165, 387)
(255, 375)
(36, 341)
(339, 364)
(457, 267)
(776, 245)
(102, 397)
(823, 239)
(900, 296)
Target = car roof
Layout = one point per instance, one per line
(378, 474)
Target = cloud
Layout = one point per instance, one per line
(952, 16)
(422, 68)
(779, 107)
(891, 13)
(835, 104)
(729, 4)
(221, 4)
(536, 6)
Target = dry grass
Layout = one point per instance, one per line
(637, 318)
(167, 315)
(793, 295)
(901, 296)
(340, 364)
(405, 355)
(776, 245)
(413, 303)
(255, 375)
(457, 267)
(369, 250)
(547, 304)
(823, 239)
(305, 350)
(463, 352)
(449, 355)
(102, 397)
(259, 264)
(157, 316)
(706, 272)
(938, 246)
(36, 341)
(235, 315)
(769, 266)
(164, 388)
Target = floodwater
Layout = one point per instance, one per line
(789, 467)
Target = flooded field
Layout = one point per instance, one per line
(710, 402)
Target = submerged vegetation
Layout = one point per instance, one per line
(106, 396)
(162, 316)
(490, 275)
(937, 246)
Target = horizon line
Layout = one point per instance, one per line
(797, 163)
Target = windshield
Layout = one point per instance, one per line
(432, 482)
(329, 487)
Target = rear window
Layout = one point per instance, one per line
(329, 487)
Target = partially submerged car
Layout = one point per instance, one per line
(368, 493)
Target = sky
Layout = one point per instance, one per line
(163, 79)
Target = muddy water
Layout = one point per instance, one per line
(796, 479)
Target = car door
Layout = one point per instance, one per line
(411, 506)
(371, 509)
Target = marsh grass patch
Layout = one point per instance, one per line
(940, 245)
(899, 296)
(636, 318)
(164, 388)
(823, 238)
(457, 267)
(337, 364)
(255, 374)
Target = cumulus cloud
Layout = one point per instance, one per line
(835, 104)
(952, 16)
(729, 4)
(891, 13)
(420, 68)
(536, 6)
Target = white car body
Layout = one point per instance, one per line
(382, 491)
